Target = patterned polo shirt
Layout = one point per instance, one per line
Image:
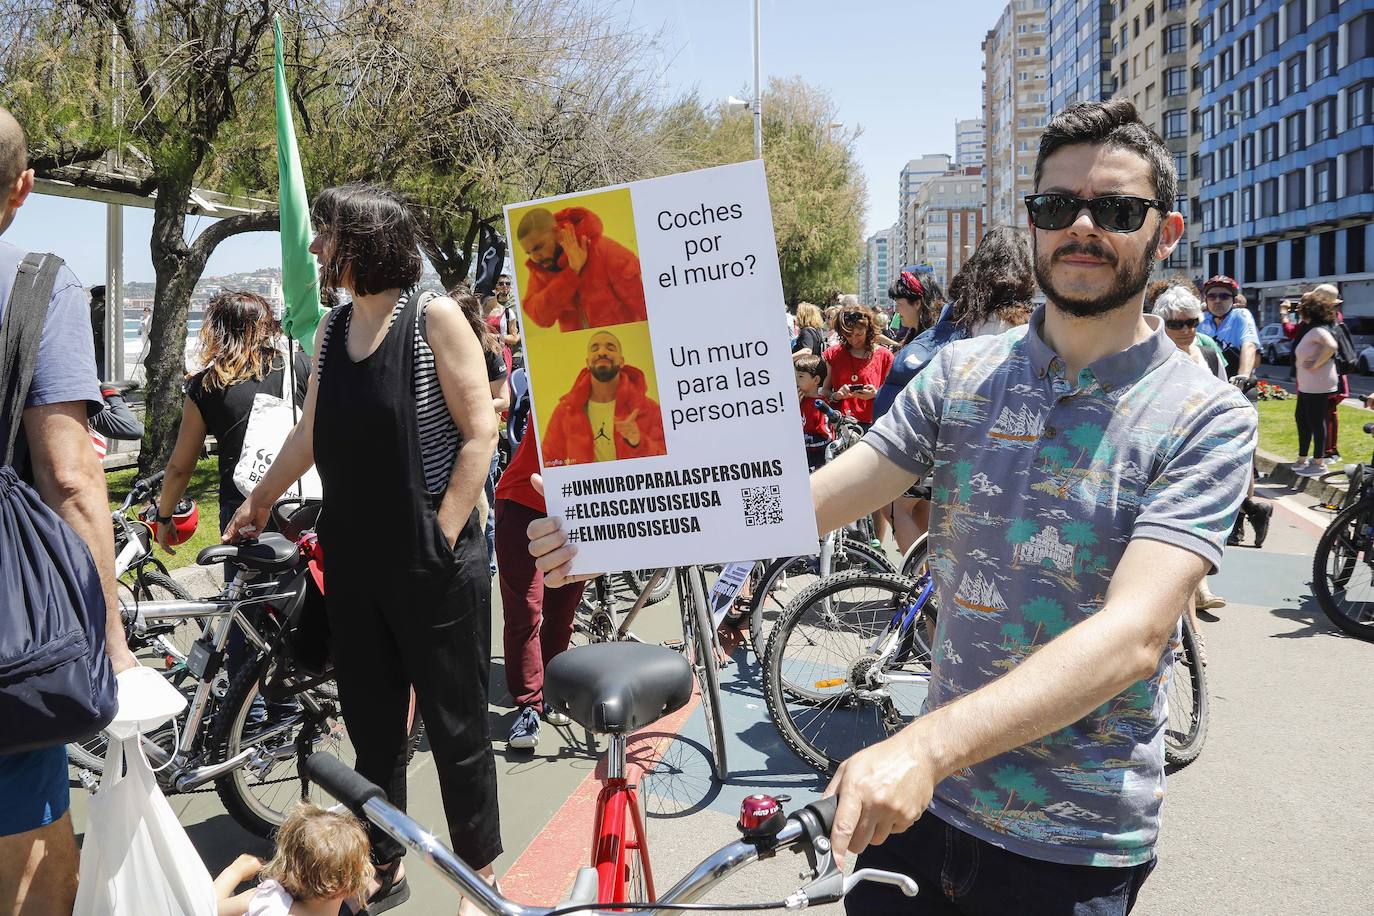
(1039, 484)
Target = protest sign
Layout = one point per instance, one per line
(664, 400)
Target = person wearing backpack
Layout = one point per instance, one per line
(1318, 378)
(38, 854)
(1347, 361)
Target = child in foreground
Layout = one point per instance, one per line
(322, 862)
(811, 371)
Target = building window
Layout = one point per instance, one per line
(1247, 204)
(1209, 124)
(1174, 4)
(1361, 37)
(1324, 119)
(1297, 258)
(1354, 250)
(1135, 28)
(1359, 171)
(1269, 35)
(1226, 161)
(1269, 89)
(1195, 165)
(1225, 211)
(1175, 124)
(1208, 223)
(1175, 81)
(1295, 130)
(1296, 72)
(1296, 15)
(1124, 33)
(1324, 182)
(1326, 57)
(1247, 152)
(1175, 39)
(1246, 49)
(1208, 169)
(1228, 16)
(1209, 82)
(1295, 190)
(1181, 168)
(1269, 143)
(1358, 104)
(1226, 65)
(1268, 197)
(1247, 100)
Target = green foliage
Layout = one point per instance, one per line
(203, 488)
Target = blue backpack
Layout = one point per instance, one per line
(56, 684)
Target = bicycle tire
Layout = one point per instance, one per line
(1336, 562)
(89, 753)
(1185, 727)
(917, 557)
(855, 552)
(699, 635)
(636, 579)
(808, 724)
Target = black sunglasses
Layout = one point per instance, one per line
(851, 317)
(1178, 324)
(1113, 213)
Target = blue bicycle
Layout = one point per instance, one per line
(849, 662)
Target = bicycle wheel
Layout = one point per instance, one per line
(175, 637)
(1185, 727)
(840, 672)
(636, 579)
(699, 640)
(1343, 570)
(785, 578)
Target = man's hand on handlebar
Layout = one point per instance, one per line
(883, 789)
(550, 548)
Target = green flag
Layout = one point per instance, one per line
(300, 277)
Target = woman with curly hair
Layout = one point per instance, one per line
(857, 365)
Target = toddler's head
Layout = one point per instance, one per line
(810, 370)
(321, 855)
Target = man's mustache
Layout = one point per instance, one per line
(1089, 249)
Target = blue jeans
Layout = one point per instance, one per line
(960, 874)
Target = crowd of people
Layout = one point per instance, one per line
(1059, 406)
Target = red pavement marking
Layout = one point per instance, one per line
(545, 870)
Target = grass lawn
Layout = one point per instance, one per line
(1278, 431)
(203, 488)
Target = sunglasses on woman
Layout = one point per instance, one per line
(1113, 213)
(852, 317)
(1178, 324)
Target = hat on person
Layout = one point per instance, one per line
(1221, 280)
(1326, 293)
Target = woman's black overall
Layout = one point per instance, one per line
(405, 607)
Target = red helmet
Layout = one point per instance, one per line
(184, 521)
(1221, 280)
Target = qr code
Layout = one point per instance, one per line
(762, 505)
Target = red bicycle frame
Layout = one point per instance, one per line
(618, 831)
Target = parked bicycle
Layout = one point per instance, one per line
(613, 689)
(1343, 566)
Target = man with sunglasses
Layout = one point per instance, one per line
(1033, 782)
(1232, 326)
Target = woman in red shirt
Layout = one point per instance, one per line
(857, 364)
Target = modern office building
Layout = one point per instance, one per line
(1079, 47)
(875, 271)
(1014, 108)
(948, 216)
(1286, 156)
(970, 142)
(1152, 64)
(914, 174)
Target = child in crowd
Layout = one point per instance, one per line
(811, 370)
(321, 863)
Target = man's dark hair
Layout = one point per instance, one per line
(375, 242)
(1116, 125)
(998, 280)
(811, 364)
(14, 153)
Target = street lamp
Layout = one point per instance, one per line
(1238, 116)
(756, 104)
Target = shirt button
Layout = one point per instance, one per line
(1049, 432)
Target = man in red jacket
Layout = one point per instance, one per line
(578, 276)
(607, 414)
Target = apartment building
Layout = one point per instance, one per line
(948, 220)
(1015, 108)
(914, 174)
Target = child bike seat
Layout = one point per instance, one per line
(617, 687)
(270, 553)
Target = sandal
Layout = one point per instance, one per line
(391, 893)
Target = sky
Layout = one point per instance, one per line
(901, 71)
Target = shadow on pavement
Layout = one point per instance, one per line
(220, 840)
(1311, 616)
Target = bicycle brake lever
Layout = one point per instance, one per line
(904, 883)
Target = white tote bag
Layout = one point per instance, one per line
(269, 423)
(136, 858)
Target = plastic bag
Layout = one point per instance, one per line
(136, 858)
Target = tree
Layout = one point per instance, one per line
(814, 182)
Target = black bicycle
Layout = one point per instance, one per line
(1343, 567)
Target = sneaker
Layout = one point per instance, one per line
(555, 718)
(1259, 520)
(1311, 469)
(1300, 466)
(524, 731)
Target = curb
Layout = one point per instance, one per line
(1280, 471)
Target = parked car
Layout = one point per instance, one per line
(1275, 347)
(1367, 360)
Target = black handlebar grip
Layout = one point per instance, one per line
(336, 778)
(824, 809)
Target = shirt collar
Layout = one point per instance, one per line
(1116, 370)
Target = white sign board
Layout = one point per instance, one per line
(664, 400)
